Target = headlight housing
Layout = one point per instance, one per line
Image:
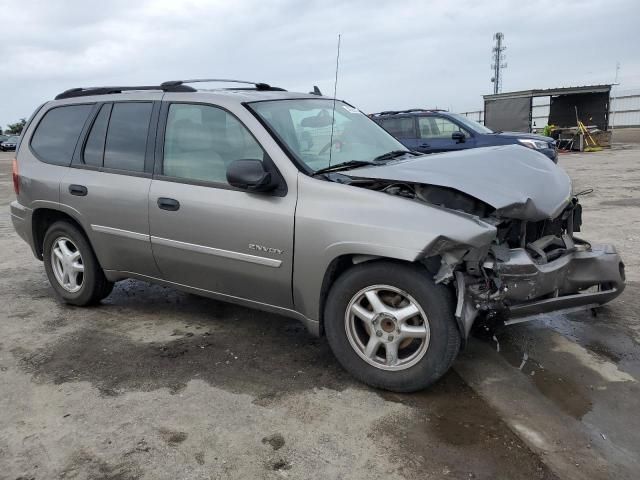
(535, 144)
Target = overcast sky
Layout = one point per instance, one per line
(395, 54)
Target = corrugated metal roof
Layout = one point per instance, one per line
(550, 92)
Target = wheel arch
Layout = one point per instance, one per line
(341, 264)
(42, 218)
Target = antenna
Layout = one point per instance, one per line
(335, 89)
(498, 64)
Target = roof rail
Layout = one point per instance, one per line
(258, 85)
(170, 86)
(86, 92)
(411, 110)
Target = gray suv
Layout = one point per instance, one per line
(301, 205)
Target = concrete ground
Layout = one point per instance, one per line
(158, 384)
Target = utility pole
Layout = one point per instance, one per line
(498, 62)
(614, 101)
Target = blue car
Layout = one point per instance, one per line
(432, 131)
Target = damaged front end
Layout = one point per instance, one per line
(532, 266)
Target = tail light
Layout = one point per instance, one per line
(16, 177)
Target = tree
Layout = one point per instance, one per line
(16, 128)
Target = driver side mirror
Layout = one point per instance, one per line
(250, 175)
(458, 136)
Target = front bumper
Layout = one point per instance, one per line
(585, 277)
(588, 277)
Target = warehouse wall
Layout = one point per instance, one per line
(624, 114)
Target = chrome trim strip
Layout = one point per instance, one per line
(120, 232)
(244, 257)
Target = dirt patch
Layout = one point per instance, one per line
(280, 464)
(276, 441)
(173, 438)
(86, 465)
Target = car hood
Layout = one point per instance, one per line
(517, 181)
(532, 136)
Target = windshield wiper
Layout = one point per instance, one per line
(343, 166)
(392, 154)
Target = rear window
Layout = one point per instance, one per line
(127, 136)
(399, 127)
(94, 148)
(57, 133)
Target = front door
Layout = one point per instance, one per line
(205, 233)
(436, 135)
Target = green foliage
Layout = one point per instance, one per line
(547, 130)
(16, 128)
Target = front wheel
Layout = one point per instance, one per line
(391, 326)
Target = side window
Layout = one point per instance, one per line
(201, 141)
(57, 133)
(437, 127)
(94, 148)
(399, 127)
(126, 142)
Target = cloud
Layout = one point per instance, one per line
(394, 54)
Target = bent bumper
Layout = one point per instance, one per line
(584, 278)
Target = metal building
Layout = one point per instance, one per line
(519, 111)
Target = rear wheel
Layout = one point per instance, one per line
(391, 326)
(72, 267)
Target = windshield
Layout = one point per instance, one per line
(13, 139)
(471, 124)
(304, 125)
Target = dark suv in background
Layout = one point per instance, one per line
(432, 131)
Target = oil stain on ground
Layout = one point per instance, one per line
(449, 420)
(240, 356)
(567, 393)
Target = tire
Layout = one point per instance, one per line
(415, 366)
(90, 285)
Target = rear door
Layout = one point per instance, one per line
(206, 234)
(403, 128)
(109, 182)
(435, 135)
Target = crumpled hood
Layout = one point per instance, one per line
(517, 181)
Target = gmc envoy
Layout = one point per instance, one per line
(301, 205)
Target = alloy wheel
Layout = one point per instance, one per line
(387, 328)
(67, 264)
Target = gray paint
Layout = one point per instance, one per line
(517, 181)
